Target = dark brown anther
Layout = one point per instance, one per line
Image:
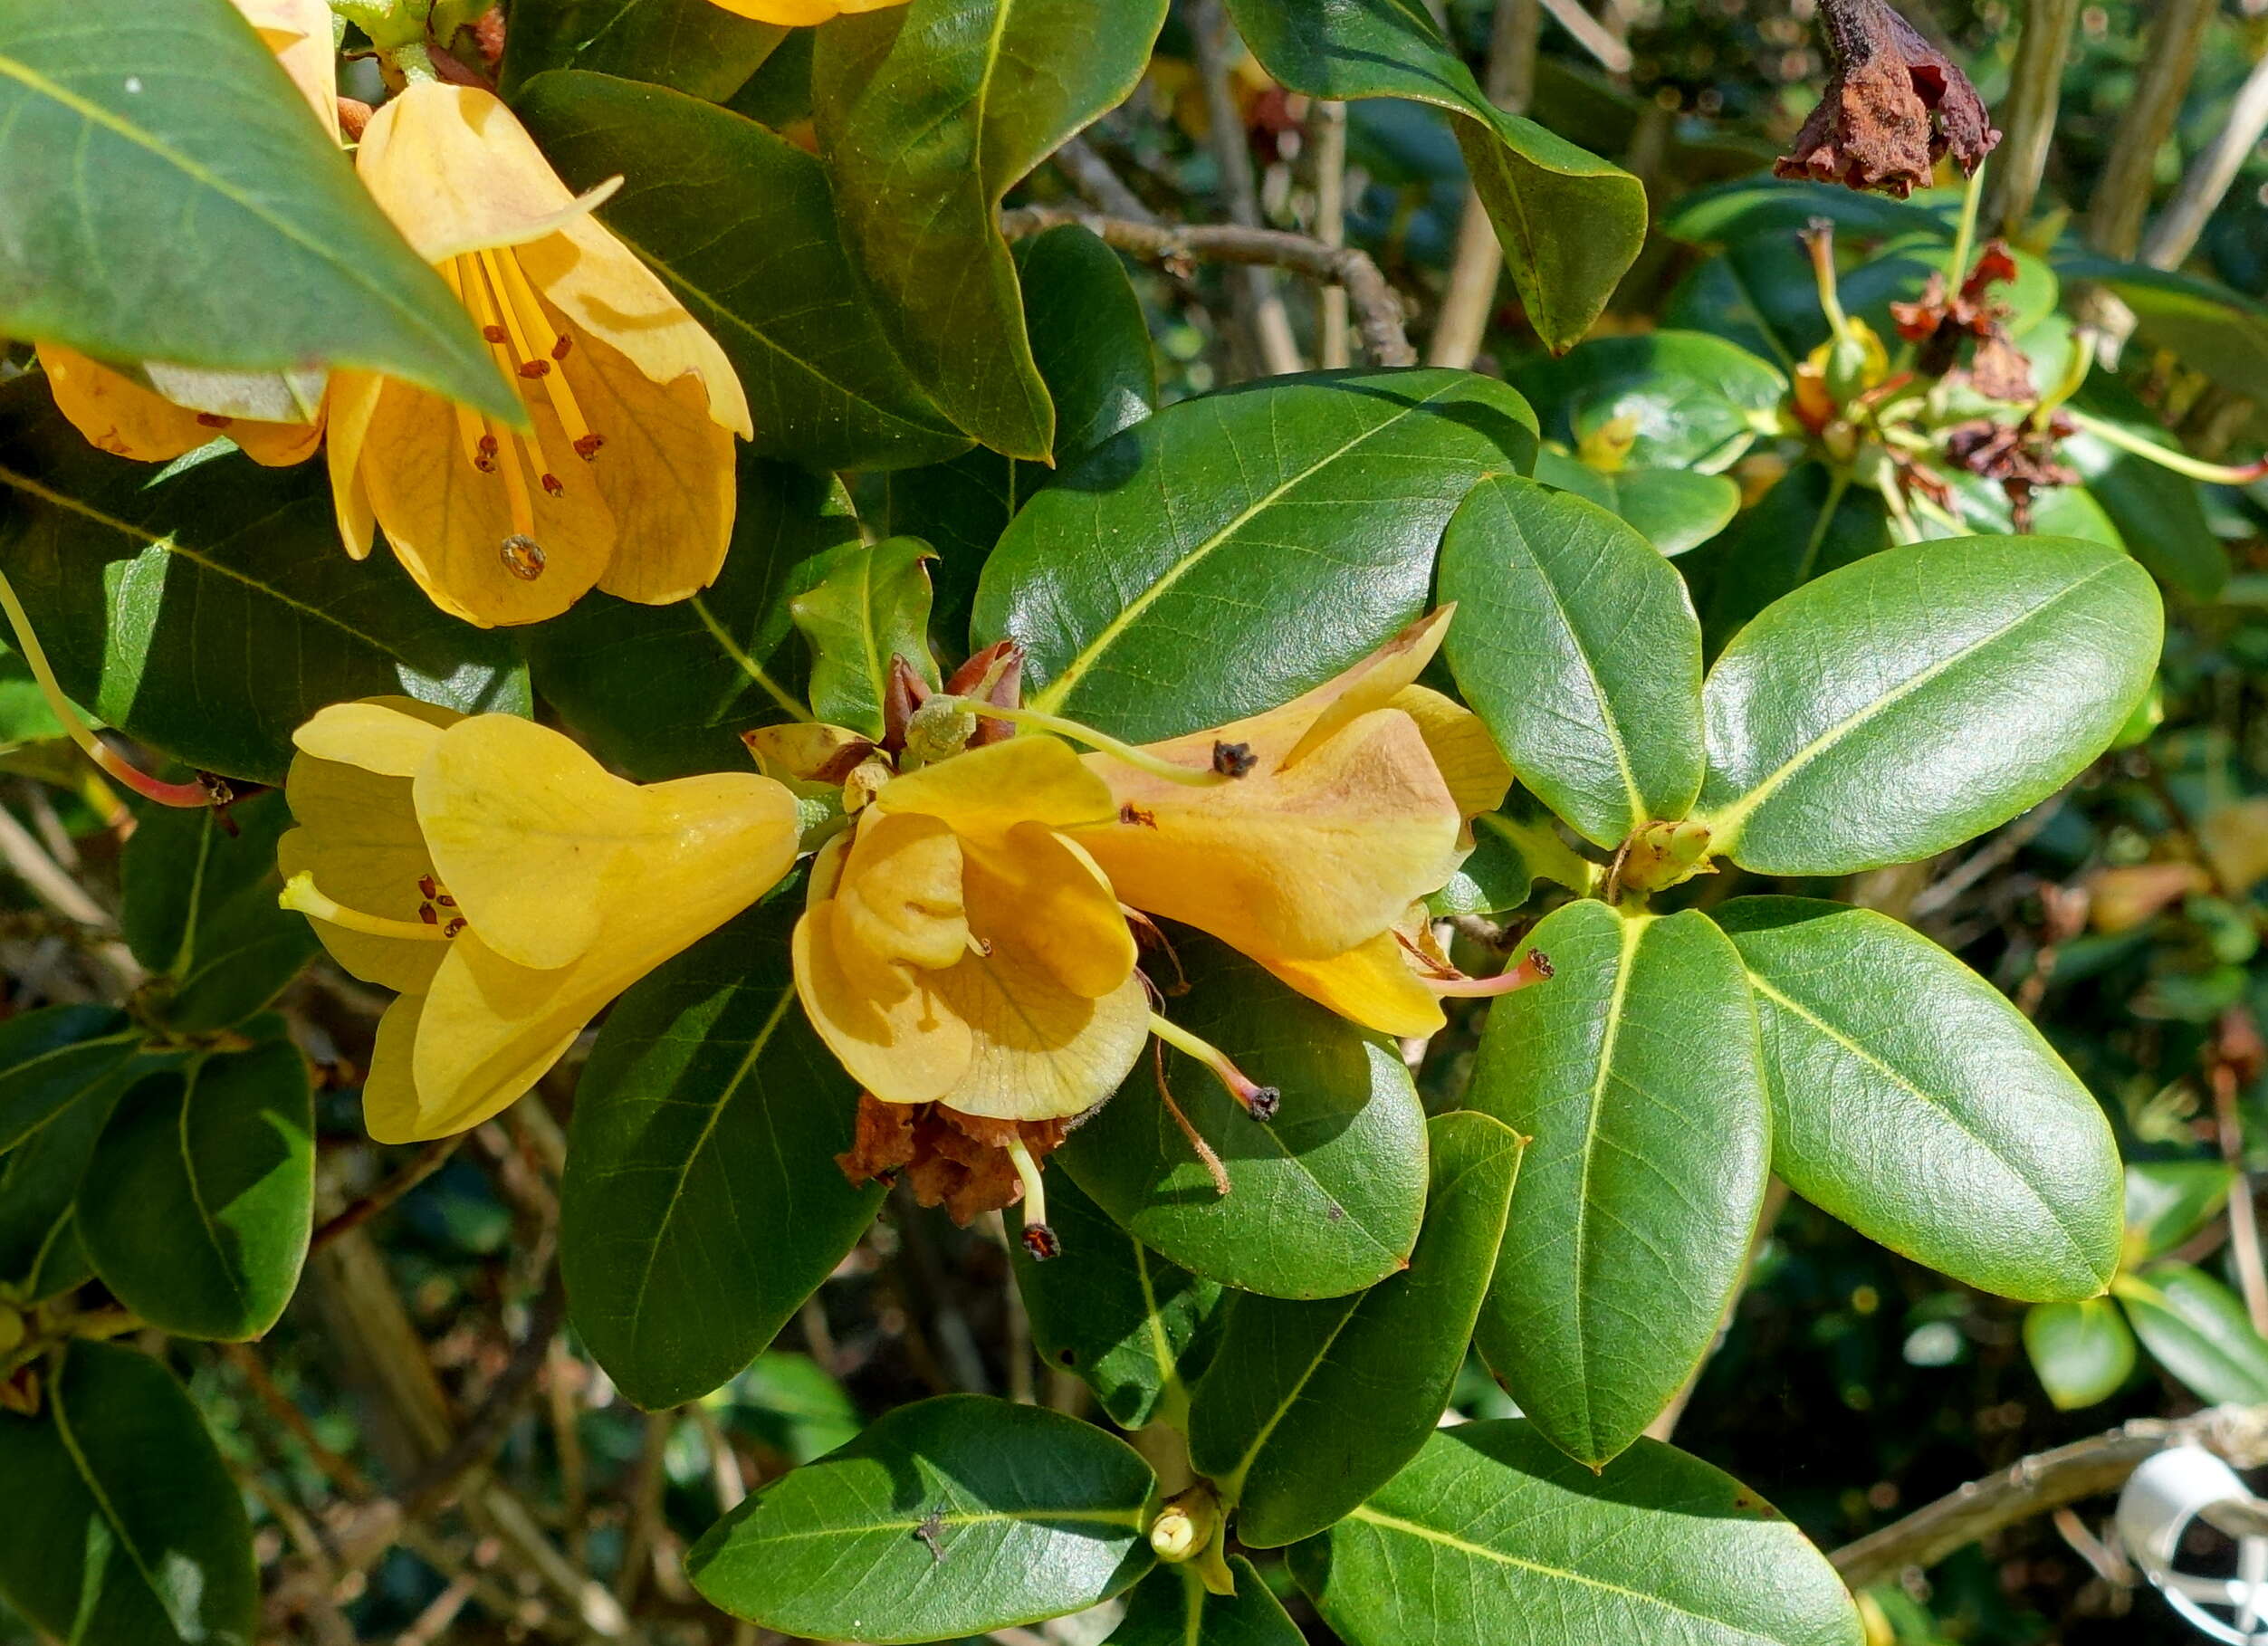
(1541, 962)
(1042, 1242)
(587, 447)
(1263, 1101)
(1135, 817)
(552, 487)
(1894, 106)
(484, 455)
(560, 348)
(212, 420)
(454, 927)
(425, 913)
(537, 368)
(495, 334)
(443, 900)
(1233, 759)
(903, 692)
(220, 794)
(428, 887)
(354, 118)
(523, 556)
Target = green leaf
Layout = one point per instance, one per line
(1324, 1200)
(208, 607)
(1174, 578)
(1758, 294)
(2167, 1200)
(702, 1203)
(1275, 1421)
(2082, 1351)
(197, 1205)
(1677, 399)
(859, 606)
(1763, 206)
(1674, 510)
(2159, 514)
(1491, 1538)
(1636, 1071)
(121, 1524)
(1092, 344)
(1537, 185)
(1920, 697)
(1576, 644)
(200, 912)
(1135, 1328)
(2213, 328)
(39, 1250)
(169, 196)
(1512, 849)
(1812, 522)
(2196, 1328)
(927, 115)
(665, 691)
(1172, 1608)
(741, 225)
(951, 1517)
(694, 46)
(56, 1057)
(1912, 1101)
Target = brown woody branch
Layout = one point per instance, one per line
(2045, 1482)
(1377, 309)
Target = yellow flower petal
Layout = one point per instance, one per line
(116, 414)
(666, 473)
(1372, 984)
(487, 1030)
(447, 521)
(1476, 773)
(458, 172)
(359, 838)
(298, 33)
(354, 398)
(1045, 895)
(896, 1040)
(389, 1093)
(391, 736)
(900, 899)
(798, 14)
(1300, 864)
(988, 791)
(1038, 1051)
(807, 751)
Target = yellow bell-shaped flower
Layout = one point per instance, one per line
(797, 14)
(165, 411)
(506, 886)
(1353, 802)
(623, 479)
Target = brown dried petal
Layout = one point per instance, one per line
(1893, 107)
(883, 1141)
(1999, 370)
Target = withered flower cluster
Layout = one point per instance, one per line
(1894, 107)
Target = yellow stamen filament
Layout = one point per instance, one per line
(1141, 759)
(1259, 1101)
(301, 893)
(525, 314)
(1039, 1240)
(1534, 967)
(468, 421)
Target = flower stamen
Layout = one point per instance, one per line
(299, 893)
(1534, 967)
(1141, 759)
(1259, 1101)
(1039, 1239)
(525, 314)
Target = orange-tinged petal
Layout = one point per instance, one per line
(447, 520)
(117, 414)
(1301, 864)
(666, 473)
(458, 172)
(1371, 683)
(1476, 773)
(298, 33)
(988, 791)
(602, 289)
(354, 398)
(1046, 895)
(902, 1046)
(1373, 984)
(899, 900)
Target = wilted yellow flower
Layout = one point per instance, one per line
(797, 13)
(623, 479)
(275, 416)
(506, 886)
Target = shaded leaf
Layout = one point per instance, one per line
(1170, 1608)
(2167, 1200)
(1674, 510)
(702, 1202)
(861, 606)
(2159, 514)
(2196, 1328)
(55, 1056)
(1812, 522)
(694, 46)
(2082, 1351)
(1669, 399)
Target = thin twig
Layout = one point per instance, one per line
(724, 1464)
(484, 1431)
(429, 1160)
(1327, 130)
(1259, 305)
(1098, 184)
(1613, 54)
(2041, 1484)
(2122, 195)
(2174, 233)
(1470, 296)
(1377, 309)
(2035, 91)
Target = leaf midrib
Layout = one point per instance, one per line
(109, 1511)
(1631, 933)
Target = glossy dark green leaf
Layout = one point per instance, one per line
(861, 606)
(121, 1522)
(1674, 510)
(694, 46)
(1912, 1101)
(1324, 1200)
(2167, 1200)
(1811, 521)
(1576, 644)
(1135, 1328)
(1225, 555)
(170, 196)
(1310, 1407)
(1757, 293)
(1512, 849)
(665, 691)
(951, 1517)
(2082, 1351)
(1491, 1538)
(2159, 512)
(197, 1205)
(1760, 206)
(778, 94)
(208, 607)
(742, 226)
(927, 114)
(53, 1057)
(200, 913)
(1673, 399)
(1531, 179)
(1172, 1608)
(702, 1203)
(40, 1254)
(1092, 344)
(2196, 1328)
(1920, 697)
(2214, 329)
(1636, 1071)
